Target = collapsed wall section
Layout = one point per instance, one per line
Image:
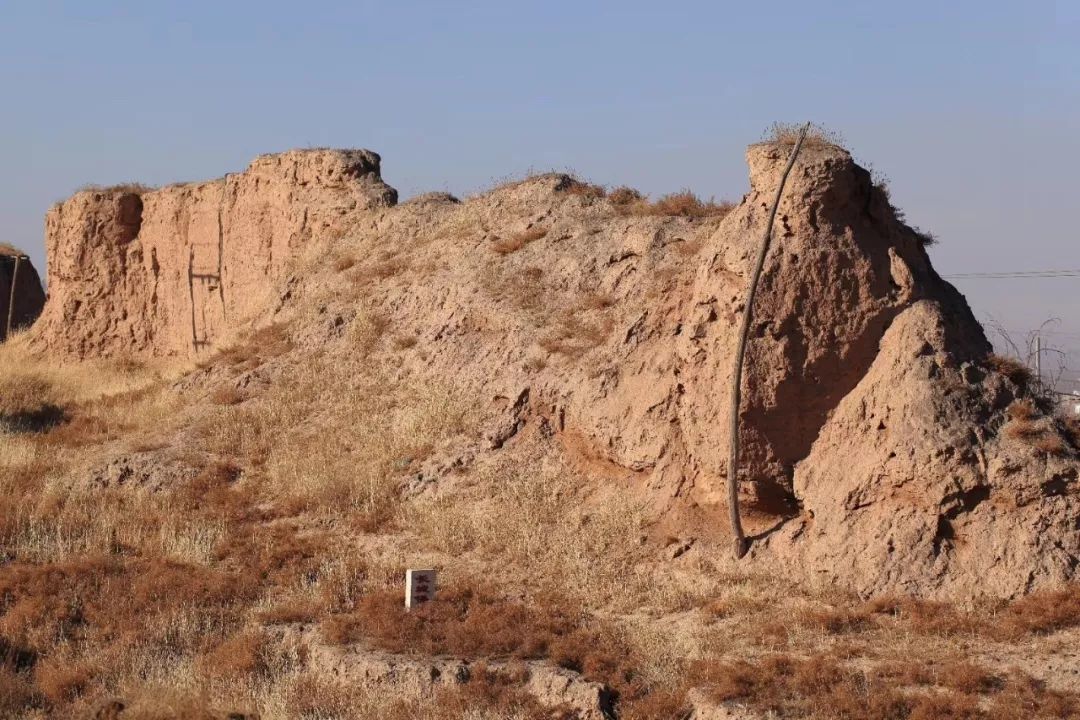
(21, 294)
(168, 272)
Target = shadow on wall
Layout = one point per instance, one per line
(21, 294)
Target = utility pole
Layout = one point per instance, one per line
(11, 298)
(742, 544)
(1038, 361)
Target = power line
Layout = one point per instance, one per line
(1015, 274)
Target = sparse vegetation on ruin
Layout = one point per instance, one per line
(684, 203)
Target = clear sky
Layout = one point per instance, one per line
(972, 109)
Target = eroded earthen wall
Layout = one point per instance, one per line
(23, 305)
(171, 271)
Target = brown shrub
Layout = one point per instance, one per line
(1040, 613)
(687, 204)
(17, 693)
(61, 679)
(925, 616)
(479, 624)
(584, 189)
(516, 242)
(1022, 409)
(681, 204)
(1050, 443)
(624, 196)
(1016, 371)
(837, 621)
(966, 677)
(946, 707)
(1025, 430)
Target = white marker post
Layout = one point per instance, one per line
(419, 587)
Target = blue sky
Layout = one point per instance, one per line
(971, 109)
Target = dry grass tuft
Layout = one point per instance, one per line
(7, 250)
(1027, 424)
(119, 188)
(29, 402)
(816, 136)
(1023, 410)
(1016, 371)
(687, 204)
(628, 201)
(584, 189)
(1041, 613)
(514, 243)
(1050, 443)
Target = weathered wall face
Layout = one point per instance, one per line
(29, 297)
(169, 272)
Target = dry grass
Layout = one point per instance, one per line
(684, 203)
(10, 250)
(506, 246)
(574, 333)
(816, 136)
(1017, 372)
(119, 188)
(1028, 424)
(227, 395)
(584, 189)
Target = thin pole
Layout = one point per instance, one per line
(742, 545)
(11, 298)
(1038, 361)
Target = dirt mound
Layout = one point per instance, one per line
(172, 271)
(28, 295)
(876, 443)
